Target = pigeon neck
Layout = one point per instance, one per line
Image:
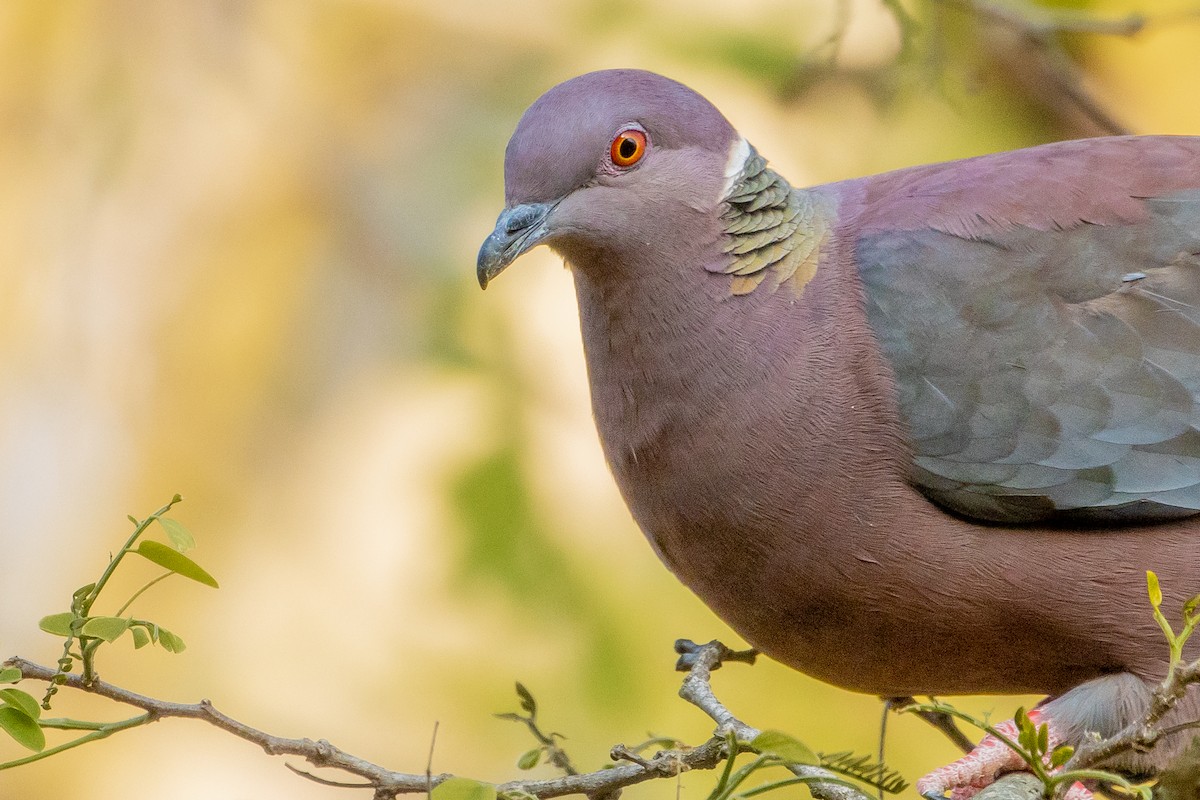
(684, 338)
(775, 233)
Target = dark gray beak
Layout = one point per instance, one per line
(518, 229)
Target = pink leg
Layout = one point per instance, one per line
(991, 757)
(1077, 792)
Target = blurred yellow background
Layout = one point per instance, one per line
(238, 256)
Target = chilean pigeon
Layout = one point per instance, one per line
(916, 433)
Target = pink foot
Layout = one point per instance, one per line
(979, 768)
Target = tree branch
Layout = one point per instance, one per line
(1025, 36)
(319, 753)
(940, 720)
(696, 689)
(1013, 786)
(1144, 733)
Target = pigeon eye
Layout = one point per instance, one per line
(628, 147)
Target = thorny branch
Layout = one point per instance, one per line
(697, 689)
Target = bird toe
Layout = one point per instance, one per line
(965, 777)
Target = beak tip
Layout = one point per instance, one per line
(517, 230)
(488, 266)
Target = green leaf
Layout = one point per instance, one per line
(530, 758)
(1156, 596)
(1027, 735)
(1189, 608)
(510, 716)
(1061, 755)
(528, 704)
(787, 748)
(1043, 739)
(22, 701)
(170, 642)
(463, 789)
(106, 628)
(57, 624)
(10, 675)
(864, 768)
(175, 561)
(17, 724)
(179, 535)
(140, 637)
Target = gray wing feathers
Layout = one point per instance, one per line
(1048, 373)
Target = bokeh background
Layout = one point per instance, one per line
(238, 246)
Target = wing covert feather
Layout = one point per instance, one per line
(1046, 347)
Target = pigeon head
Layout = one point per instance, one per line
(606, 160)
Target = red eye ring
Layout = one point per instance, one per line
(628, 147)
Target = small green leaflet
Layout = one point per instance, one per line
(1189, 608)
(10, 675)
(157, 634)
(170, 642)
(21, 701)
(528, 704)
(106, 628)
(179, 535)
(784, 747)
(57, 624)
(21, 727)
(463, 789)
(530, 758)
(175, 561)
(1061, 755)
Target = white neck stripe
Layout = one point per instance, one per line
(739, 151)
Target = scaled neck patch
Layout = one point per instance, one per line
(775, 232)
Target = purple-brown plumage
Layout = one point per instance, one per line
(792, 387)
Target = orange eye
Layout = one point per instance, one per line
(628, 147)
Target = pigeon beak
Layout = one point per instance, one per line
(518, 229)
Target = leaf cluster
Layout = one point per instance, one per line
(779, 749)
(84, 632)
(548, 743)
(1191, 618)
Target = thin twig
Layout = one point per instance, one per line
(141, 591)
(1048, 22)
(303, 773)
(940, 720)
(1051, 72)
(883, 721)
(429, 761)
